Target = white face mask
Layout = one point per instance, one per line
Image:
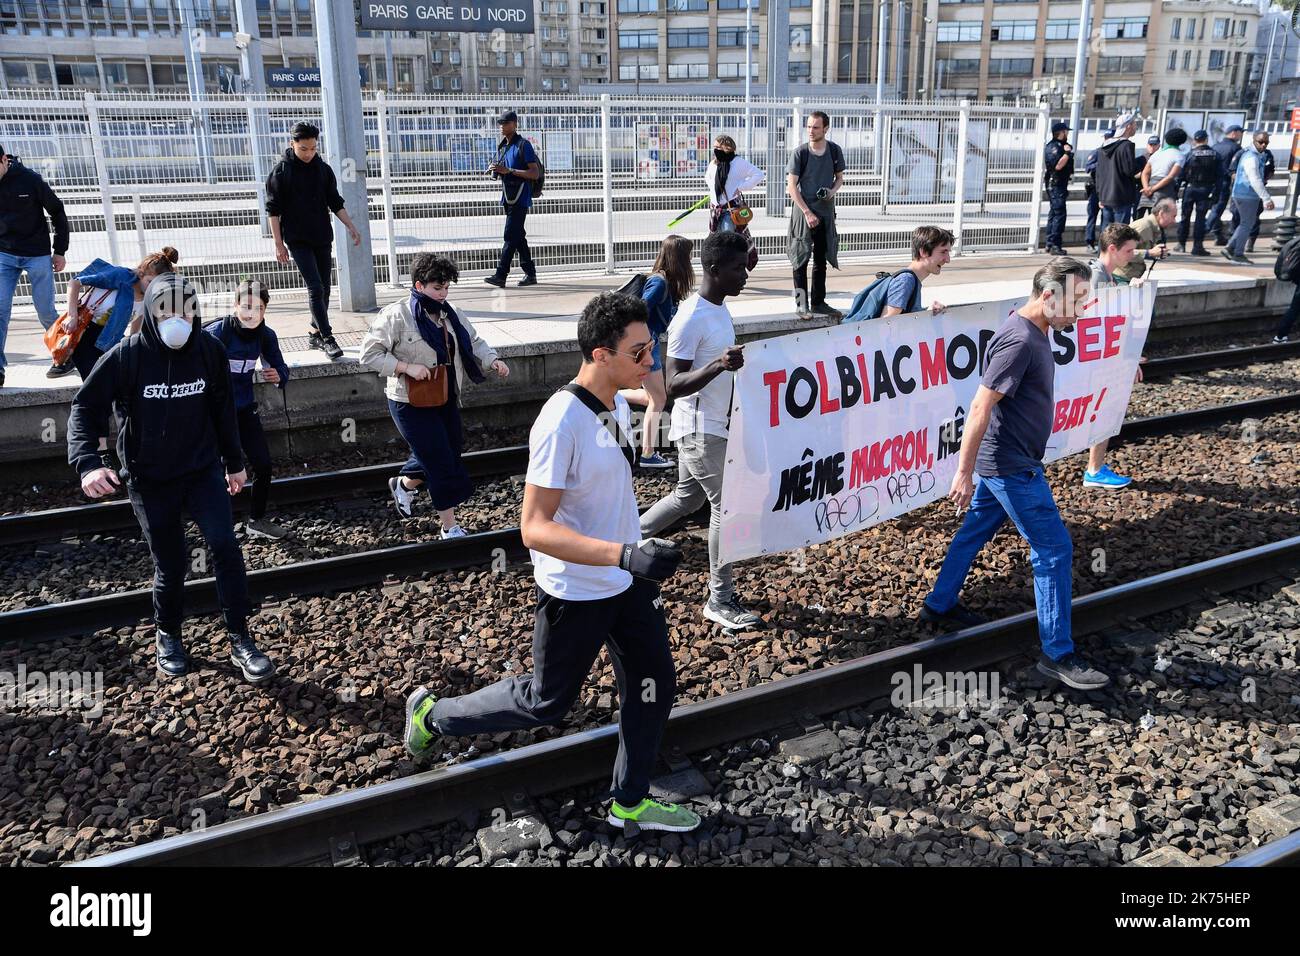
(175, 332)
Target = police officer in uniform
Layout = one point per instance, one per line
(1058, 167)
(1202, 173)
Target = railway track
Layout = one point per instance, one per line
(342, 572)
(336, 827)
(57, 523)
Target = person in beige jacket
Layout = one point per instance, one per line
(407, 341)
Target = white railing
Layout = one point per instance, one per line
(137, 173)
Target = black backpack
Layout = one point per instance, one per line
(634, 286)
(1287, 266)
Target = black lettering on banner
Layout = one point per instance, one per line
(986, 336)
(905, 385)
(904, 487)
(792, 405)
(883, 385)
(850, 387)
(810, 480)
(966, 366)
(1066, 342)
(847, 512)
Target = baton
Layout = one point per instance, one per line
(688, 212)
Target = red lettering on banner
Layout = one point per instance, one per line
(1110, 346)
(1070, 413)
(1088, 337)
(934, 368)
(862, 374)
(828, 404)
(774, 381)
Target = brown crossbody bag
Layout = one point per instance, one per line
(430, 392)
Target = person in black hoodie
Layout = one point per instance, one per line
(1116, 166)
(301, 192)
(170, 384)
(25, 201)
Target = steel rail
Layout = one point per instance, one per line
(305, 832)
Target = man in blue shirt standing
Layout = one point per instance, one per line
(517, 167)
(1004, 440)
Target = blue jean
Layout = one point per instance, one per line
(1111, 214)
(40, 273)
(1027, 499)
(1248, 208)
(1056, 197)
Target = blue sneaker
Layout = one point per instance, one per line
(1105, 478)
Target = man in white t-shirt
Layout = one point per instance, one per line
(597, 583)
(701, 357)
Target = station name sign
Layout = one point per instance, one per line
(289, 77)
(480, 16)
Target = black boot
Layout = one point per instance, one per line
(172, 659)
(1250, 245)
(257, 667)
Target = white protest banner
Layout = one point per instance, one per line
(834, 430)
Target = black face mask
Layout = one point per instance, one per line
(722, 155)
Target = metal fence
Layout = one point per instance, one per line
(136, 174)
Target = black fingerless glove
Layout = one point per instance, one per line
(653, 558)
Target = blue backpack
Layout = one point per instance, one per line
(870, 302)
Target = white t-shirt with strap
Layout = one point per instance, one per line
(700, 332)
(571, 449)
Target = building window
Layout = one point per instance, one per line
(959, 65)
(1175, 28)
(961, 31)
(455, 84)
(1241, 28)
(1013, 30)
(1187, 61)
(800, 37)
(453, 57)
(1216, 59)
(695, 39)
(1221, 28)
(1061, 30)
(638, 6)
(519, 83)
(733, 71)
(1124, 28)
(680, 6)
(1010, 66)
(1053, 65)
(688, 71)
(1121, 97)
(634, 71)
(638, 39)
(1173, 61)
(1120, 64)
(800, 71)
(735, 36)
(437, 84)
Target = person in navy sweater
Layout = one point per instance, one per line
(248, 339)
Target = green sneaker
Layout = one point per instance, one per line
(649, 815)
(418, 733)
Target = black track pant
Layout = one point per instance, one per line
(567, 637)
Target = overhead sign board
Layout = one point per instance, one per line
(478, 16)
(288, 76)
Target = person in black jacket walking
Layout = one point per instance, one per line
(170, 384)
(301, 192)
(1202, 175)
(1116, 166)
(25, 200)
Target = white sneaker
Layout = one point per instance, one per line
(402, 497)
(455, 531)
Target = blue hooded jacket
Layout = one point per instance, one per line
(100, 275)
(243, 349)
